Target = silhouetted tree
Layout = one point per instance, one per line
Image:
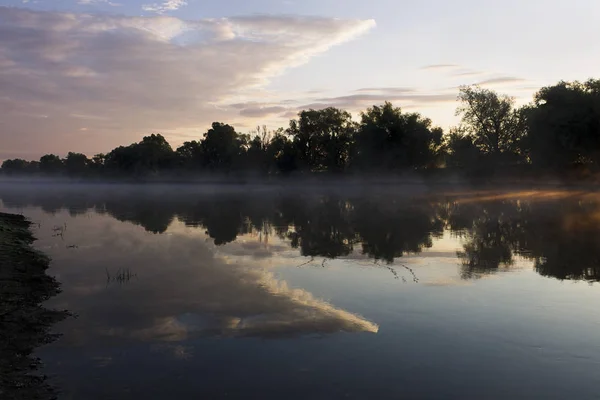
(222, 147)
(388, 139)
(155, 153)
(461, 152)
(51, 164)
(283, 154)
(322, 138)
(564, 124)
(76, 164)
(19, 166)
(190, 155)
(150, 155)
(257, 155)
(122, 159)
(96, 164)
(496, 127)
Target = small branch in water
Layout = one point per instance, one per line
(415, 279)
(393, 271)
(306, 263)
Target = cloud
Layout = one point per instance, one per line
(141, 74)
(389, 90)
(165, 6)
(439, 66)
(257, 110)
(262, 111)
(292, 114)
(92, 2)
(406, 99)
(501, 80)
(360, 98)
(467, 73)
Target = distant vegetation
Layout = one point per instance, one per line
(558, 131)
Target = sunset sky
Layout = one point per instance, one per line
(89, 75)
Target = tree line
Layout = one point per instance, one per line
(559, 130)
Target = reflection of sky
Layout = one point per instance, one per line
(173, 331)
(182, 286)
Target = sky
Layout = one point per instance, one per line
(90, 75)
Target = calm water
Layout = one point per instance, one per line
(256, 293)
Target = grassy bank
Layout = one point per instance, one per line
(25, 323)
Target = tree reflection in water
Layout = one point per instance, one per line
(558, 231)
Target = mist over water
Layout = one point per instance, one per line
(244, 291)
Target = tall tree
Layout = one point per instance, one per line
(257, 154)
(564, 124)
(496, 126)
(388, 139)
(76, 163)
(51, 164)
(16, 166)
(282, 153)
(322, 138)
(155, 153)
(190, 155)
(97, 162)
(461, 152)
(150, 155)
(222, 147)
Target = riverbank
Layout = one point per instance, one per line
(25, 323)
(16, 253)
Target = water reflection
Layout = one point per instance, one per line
(181, 290)
(25, 324)
(559, 233)
(175, 289)
(557, 230)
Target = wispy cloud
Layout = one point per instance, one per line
(435, 98)
(467, 73)
(501, 80)
(406, 99)
(389, 90)
(255, 112)
(92, 2)
(165, 6)
(440, 66)
(355, 102)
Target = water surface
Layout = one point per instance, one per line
(250, 292)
